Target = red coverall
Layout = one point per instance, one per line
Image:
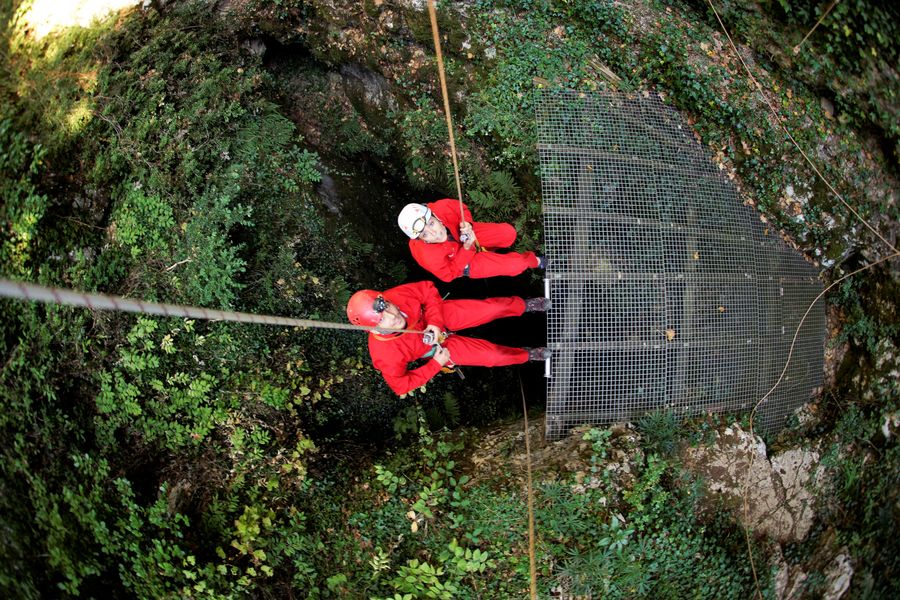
(422, 305)
(448, 260)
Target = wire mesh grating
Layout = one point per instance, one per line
(668, 293)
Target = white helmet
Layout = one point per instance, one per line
(413, 219)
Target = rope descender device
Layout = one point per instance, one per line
(429, 340)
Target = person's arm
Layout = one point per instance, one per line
(448, 208)
(435, 261)
(457, 265)
(402, 380)
(430, 299)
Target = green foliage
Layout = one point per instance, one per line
(451, 409)
(654, 547)
(48, 82)
(851, 56)
(561, 43)
(187, 183)
(390, 481)
(144, 224)
(148, 394)
(22, 207)
(162, 458)
(870, 317)
(423, 133)
(660, 432)
(210, 278)
(465, 560)
(421, 580)
(499, 196)
(861, 486)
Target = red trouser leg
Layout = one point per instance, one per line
(495, 235)
(491, 264)
(463, 314)
(481, 353)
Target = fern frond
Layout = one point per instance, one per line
(502, 185)
(451, 408)
(482, 200)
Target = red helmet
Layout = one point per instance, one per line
(365, 308)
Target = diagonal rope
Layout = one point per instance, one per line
(819, 22)
(746, 486)
(774, 112)
(54, 295)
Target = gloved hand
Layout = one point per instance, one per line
(442, 355)
(433, 335)
(467, 234)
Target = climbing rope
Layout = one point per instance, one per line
(746, 486)
(435, 33)
(440, 64)
(810, 32)
(532, 567)
(67, 297)
(895, 254)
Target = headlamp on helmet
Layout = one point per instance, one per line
(365, 308)
(413, 219)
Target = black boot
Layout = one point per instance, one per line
(537, 304)
(538, 354)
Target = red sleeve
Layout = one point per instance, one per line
(447, 210)
(461, 260)
(431, 301)
(402, 380)
(434, 259)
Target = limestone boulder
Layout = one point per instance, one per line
(773, 496)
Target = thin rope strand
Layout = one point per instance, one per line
(810, 32)
(531, 554)
(54, 295)
(746, 487)
(432, 13)
(791, 137)
(800, 324)
(745, 501)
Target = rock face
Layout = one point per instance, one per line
(831, 565)
(500, 453)
(789, 580)
(368, 90)
(778, 490)
(839, 575)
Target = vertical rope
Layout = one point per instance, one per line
(531, 559)
(440, 63)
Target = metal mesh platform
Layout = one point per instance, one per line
(668, 293)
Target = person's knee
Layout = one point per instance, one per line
(495, 235)
(509, 234)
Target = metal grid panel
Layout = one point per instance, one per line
(667, 292)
